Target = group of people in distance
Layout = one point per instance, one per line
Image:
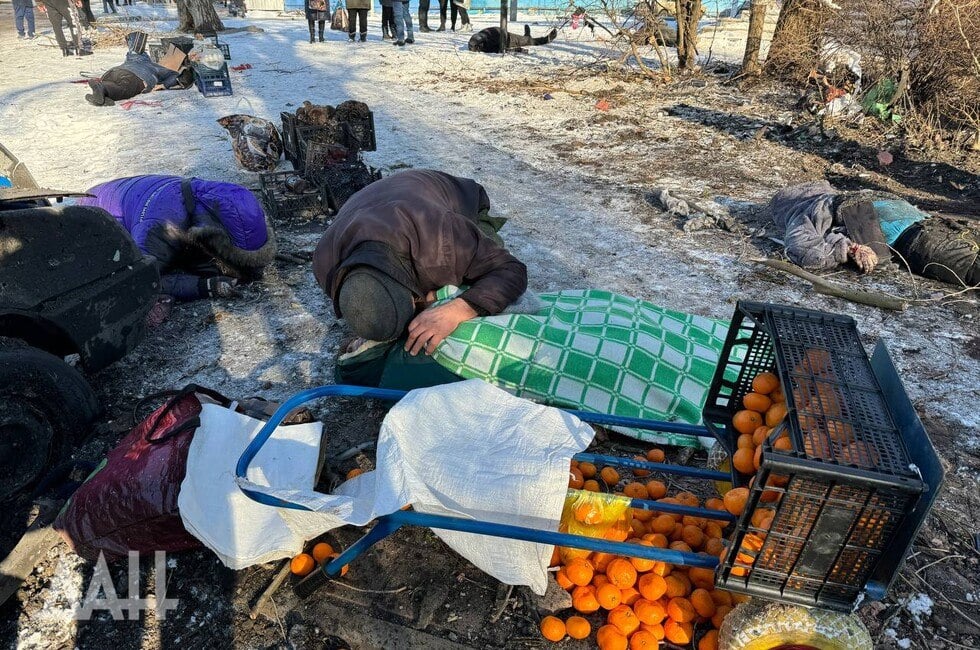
(396, 19)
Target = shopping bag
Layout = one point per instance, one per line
(339, 21)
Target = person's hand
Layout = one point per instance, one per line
(221, 286)
(864, 258)
(428, 329)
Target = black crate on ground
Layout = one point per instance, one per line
(290, 148)
(284, 204)
(183, 43)
(849, 496)
(343, 179)
(211, 82)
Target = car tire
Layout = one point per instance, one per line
(45, 407)
(762, 625)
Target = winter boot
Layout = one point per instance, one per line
(312, 39)
(442, 25)
(363, 37)
(321, 33)
(384, 32)
(350, 37)
(424, 22)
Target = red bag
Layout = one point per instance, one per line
(130, 501)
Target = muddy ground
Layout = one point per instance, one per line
(576, 183)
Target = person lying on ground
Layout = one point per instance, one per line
(825, 228)
(488, 40)
(395, 242)
(136, 76)
(206, 237)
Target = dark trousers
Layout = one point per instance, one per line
(354, 15)
(57, 12)
(85, 14)
(388, 19)
(319, 24)
(458, 10)
(120, 84)
(24, 13)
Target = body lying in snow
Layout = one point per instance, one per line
(488, 40)
(825, 228)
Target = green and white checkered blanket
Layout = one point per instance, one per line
(595, 351)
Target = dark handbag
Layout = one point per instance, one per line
(339, 22)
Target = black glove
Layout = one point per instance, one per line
(220, 286)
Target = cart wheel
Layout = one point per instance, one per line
(761, 625)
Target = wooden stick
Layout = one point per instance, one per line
(271, 589)
(830, 289)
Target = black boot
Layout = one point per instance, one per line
(363, 37)
(321, 35)
(350, 36)
(424, 22)
(312, 39)
(384, 32)
(442, 25)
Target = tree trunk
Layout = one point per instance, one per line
(198, 17)
(688, 14)
(757, 20)
(795, 45)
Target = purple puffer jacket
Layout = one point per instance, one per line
(227, 222)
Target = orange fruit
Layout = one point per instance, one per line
(656, 630)
(714, 504)
(677, 585)
(588, 513)
(745, 441)
(764, 383)
(609, 596)
(642, 515)
(343, 569)
(679, 633)
(662, 569)
(692, 536)
(579, 571)
(681, 610)
(760, 515)
(656, 489)
(712, 529)
(702, 602)
(735, 500)
(591, 485)
(783, 443)
(738, 599)
(610, 638)
(652, 586)
(624, 619)
(720, 615)
(640, 473)
(701, 578)
(588, 470)
(658, 540)
(577, 627)
(598, 580)
(639, 563)
(357, 471)
(552, 628)
(601, 560)
(756, 402)
(747, 421)
(675, 535)
(721, 597)
(656, 455)
(709, 641)
(759, 435)
(639, 530)
(743, 460)
(680, 546)
(636, 491)
(688, 499)
(321, 552)
(575, 480)
(777, 396)
(714, 546)
(584, 600)
(630, 596)
(621, 573)
(302, 564)
(663, 524)
(609, 475)
(562, 579)
(643, 640)
(757, 458)
(650, 612)
(775, 414)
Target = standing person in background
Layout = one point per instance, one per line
(108, 7)
(57, 12)
(459, 8)
(357, 10)
(24, 10)
(424, 16)
(403, 23)
(387, 20)
(317, 13)
(87, 18)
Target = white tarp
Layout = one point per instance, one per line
(466, 449)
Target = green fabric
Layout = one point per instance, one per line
(387, 365)
(595, 351)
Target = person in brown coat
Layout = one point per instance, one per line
(357, 10)
(397, 241)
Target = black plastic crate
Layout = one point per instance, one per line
(343, 179)
(354, 134)
(284, 204)
(860, 475)
(211, 82)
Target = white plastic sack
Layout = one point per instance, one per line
(466, 449)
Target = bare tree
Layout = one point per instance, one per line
(757, 20)
(688, 13)
(198, 16)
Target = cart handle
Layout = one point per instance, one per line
(297, 400)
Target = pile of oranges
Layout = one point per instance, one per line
(304, 563)
(765, 408)
(636, 603)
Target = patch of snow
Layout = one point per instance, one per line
(919, 606)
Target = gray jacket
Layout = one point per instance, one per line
(805, 213)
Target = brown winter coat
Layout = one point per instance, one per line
(358, 4)
(420, 227)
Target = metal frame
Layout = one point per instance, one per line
(388, 524)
